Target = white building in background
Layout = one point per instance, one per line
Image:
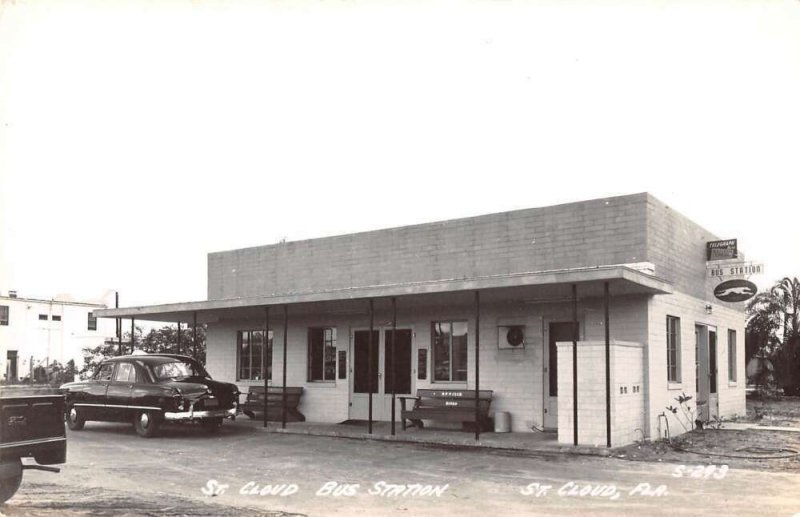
(35, 332)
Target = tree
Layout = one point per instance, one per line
(52, 374)
(763, 322)
(92, 357)
(773, 330)
(59, 374)
(163, 341)
(787, 292)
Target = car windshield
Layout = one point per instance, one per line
(174, 369)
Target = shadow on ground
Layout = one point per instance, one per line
(188, 431)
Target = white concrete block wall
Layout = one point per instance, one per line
(627, 393)
(591, 399)
(321, 401)
(515, 376)
(627, 317)
(585, 234)
(661, 393)
(732, 394)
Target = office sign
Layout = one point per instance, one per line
(721, 250)
(737, 290)
(738, 269)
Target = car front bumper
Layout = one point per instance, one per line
(196, 415)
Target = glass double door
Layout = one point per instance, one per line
(383, 377)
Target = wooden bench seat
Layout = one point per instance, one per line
(255, 403)
(448, 406)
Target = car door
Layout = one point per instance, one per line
(145, 395)
(118, 395)
(93, 397)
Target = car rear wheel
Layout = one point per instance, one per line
(211, 425)
(75, 420)
(146, 424)
(9, 483)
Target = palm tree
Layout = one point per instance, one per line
(786, 296)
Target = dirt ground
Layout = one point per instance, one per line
(748, 449)
(737, 449)
(112, 471)
(51, 500)
(774, 412)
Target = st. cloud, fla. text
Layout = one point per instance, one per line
(588, 490)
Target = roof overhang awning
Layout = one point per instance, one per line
(623, 279)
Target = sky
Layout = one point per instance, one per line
(136, 137)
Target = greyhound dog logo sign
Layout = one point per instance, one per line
(737, 290)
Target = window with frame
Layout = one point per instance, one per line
(322, 354)
(125, 373)
(253, 355)
(91, 321)
(673, 349)
(42, 317)
(104, 372)
(731, 355)
(3, 314)
(449, 343)
(56, 317)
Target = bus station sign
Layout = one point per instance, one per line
(739, 269)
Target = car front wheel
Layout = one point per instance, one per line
(75, 420)
(146, 424)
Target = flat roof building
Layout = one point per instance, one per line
(625, 278)
(34, 332)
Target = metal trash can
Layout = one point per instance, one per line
(502, 422)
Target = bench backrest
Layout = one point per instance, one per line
(275, 395)
(275, 389)
(454, 398)
(454, 394)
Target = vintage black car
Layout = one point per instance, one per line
(149, 390)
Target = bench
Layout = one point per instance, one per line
(449, 406)
(255, 403)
